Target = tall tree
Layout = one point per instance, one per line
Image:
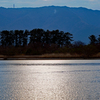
(25, 37)
(20, 37)
(16, 37)
(36, 35)
(11, 37)
(46, 37)
(33, 36)
(54, 36)
(40, 33)
(93, 39)
(3, 38)
(67, 38)
(7, 38)
(60, 38)
(98, 39)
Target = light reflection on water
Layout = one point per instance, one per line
(50, 80)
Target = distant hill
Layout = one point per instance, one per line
(81, 22)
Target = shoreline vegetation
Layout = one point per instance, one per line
(52, 56)
(40, 44)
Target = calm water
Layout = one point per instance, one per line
(50, 80)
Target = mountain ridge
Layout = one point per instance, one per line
(81, 22)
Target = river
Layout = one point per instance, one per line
(49, 79)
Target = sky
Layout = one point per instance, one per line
(90, 4)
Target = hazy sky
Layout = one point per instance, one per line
(91, 4)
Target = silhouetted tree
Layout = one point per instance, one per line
(67, 38)
(33, 36)
(4, 35)
(7, 38)
(20, 37)
(11, 38)
(25, 37)
(16, 37)
(98, 39)
(46, 37)
(60, 37)
(54, 37)
(93, 39)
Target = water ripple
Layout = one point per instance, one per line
(51, 64)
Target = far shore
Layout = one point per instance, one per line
(49, 57)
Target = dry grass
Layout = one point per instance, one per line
(60, 55)
(49, 56)
(97, 55)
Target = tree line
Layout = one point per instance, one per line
(22, 38)
(38, 41)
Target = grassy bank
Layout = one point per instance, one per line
(49, 56)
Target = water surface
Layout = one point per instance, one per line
(50, 80)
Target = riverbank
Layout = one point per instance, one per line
(49, 57)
